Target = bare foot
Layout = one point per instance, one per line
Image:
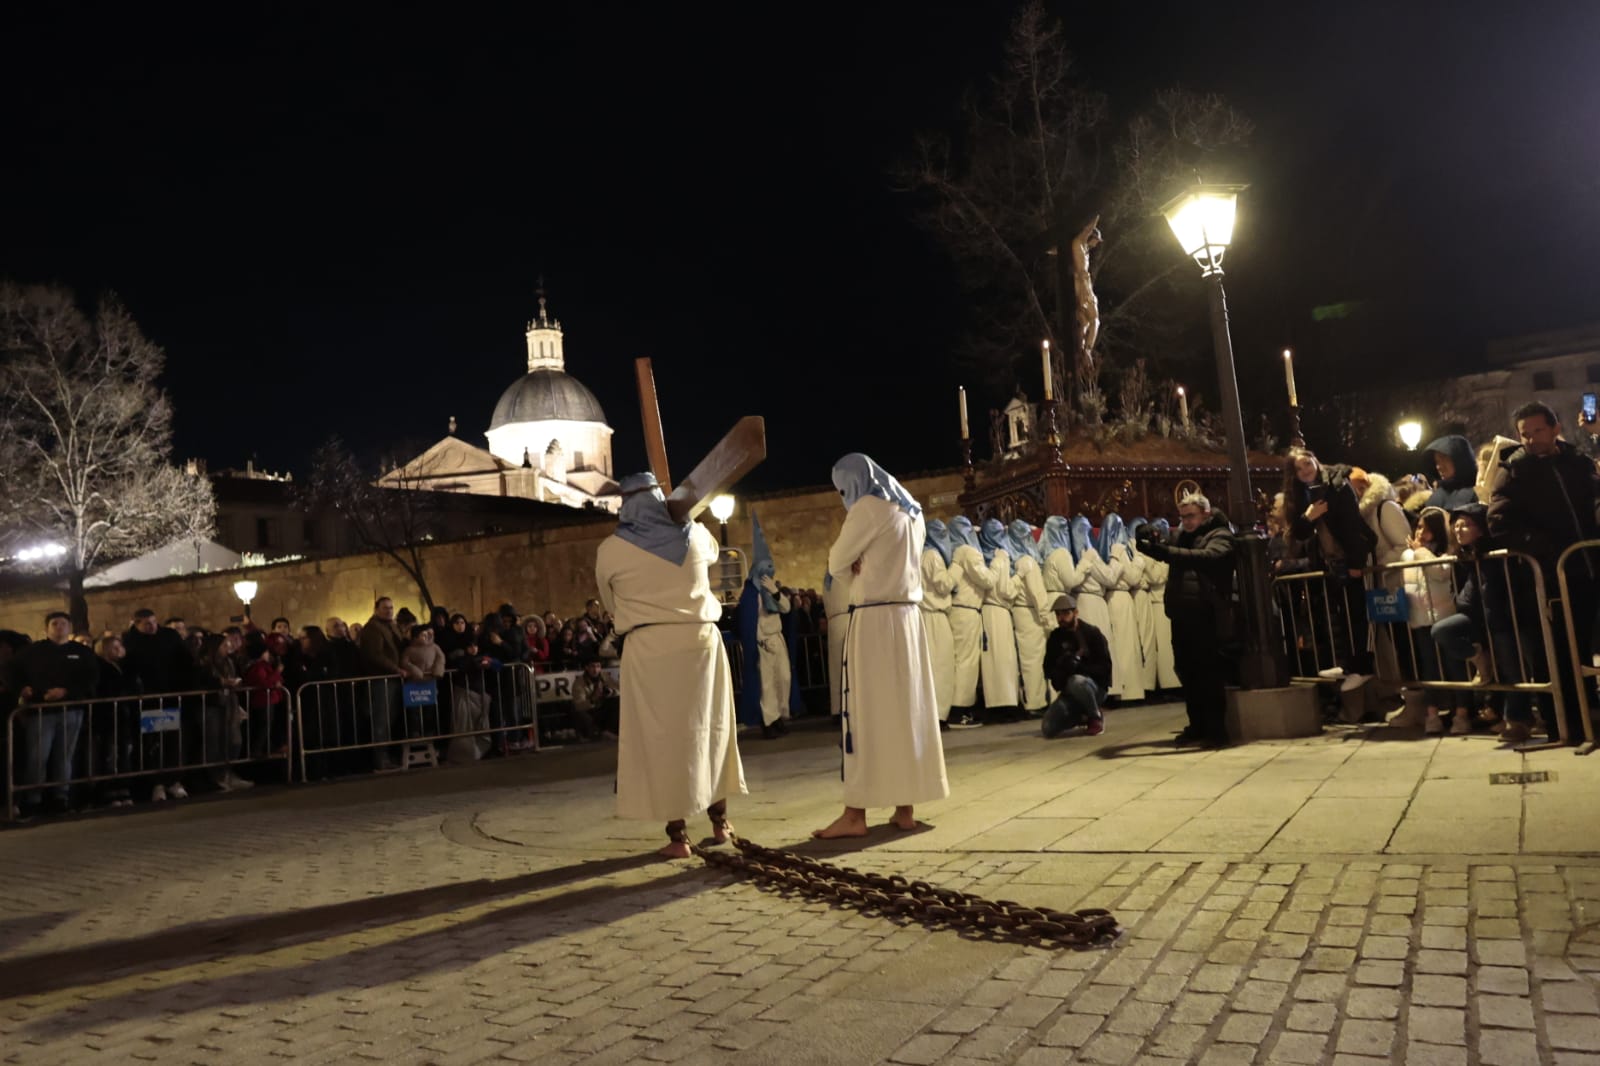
(721, 833)
(675, 850)
(903, 819)
(852, 823)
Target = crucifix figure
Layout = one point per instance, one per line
(1085, 242)
(677, 752)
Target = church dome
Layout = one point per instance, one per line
(546, 396)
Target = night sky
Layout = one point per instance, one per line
(336, 222)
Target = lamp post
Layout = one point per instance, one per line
(722, 510)
(1410, 433)
(246, 591)
(1202, 219)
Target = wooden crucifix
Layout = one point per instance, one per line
(739, 451)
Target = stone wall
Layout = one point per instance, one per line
(546, 569)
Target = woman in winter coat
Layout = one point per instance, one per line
(1323, 509)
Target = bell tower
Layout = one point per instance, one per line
(544, 341)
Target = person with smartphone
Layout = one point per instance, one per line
(1325, 512)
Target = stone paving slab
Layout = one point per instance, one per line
(1273, 912)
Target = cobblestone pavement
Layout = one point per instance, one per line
(1343, 899)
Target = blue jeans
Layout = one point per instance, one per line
(46, 742)
(1080, 700)
(1456, 637)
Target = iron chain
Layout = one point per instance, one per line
(892, 894)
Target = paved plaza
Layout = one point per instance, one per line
(1349, 898)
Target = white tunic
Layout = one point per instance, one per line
(836, 605)
(774, 655)
(1166, 666)
(999, 660)
(1028, 613)
(892, 755)
(676, 752)
(1092, 581)
(1127, 663)
(971, 579)
(936, 586)
(1139, 563)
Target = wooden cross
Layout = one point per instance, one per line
(739, 451)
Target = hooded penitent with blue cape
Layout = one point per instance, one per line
(998, 666)
(890, 751)
(1031, 617)
(1158, 572)
(767, 689)
(1093, 578)
(1127, 655)
(937, 585)
(1055, 553)
(969, 581)
(676, 752)
(1143, 614)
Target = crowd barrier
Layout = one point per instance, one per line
(112, 742)
(1582, 659)
(1386, 621)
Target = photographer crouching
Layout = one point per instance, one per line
(1077, 660)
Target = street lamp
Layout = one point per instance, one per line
(1202, 218)
(1410, 433)
(722, 510)
(246, 591)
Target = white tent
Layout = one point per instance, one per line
(179, 557)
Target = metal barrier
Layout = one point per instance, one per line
(1583, 667)
(1317, 628)
(70, 744)
(393, 718)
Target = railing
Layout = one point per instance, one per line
(1583, 666)
(156, 738)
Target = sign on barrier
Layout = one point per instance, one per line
(557, 688)
(420, 693)
(1387, 605)
(160, 720)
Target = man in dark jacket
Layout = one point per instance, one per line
(51, 671)
(1458, 473)
(156, 655)
(1200, 604)
(1543, 501)
(1077, 660)
(377, 701)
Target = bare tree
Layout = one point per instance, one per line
(1037, 157)
(86, 437)
(396, 521)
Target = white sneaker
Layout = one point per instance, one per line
(158, 794)
(177, 791)
(1435, 725)
(1354, 681)
(234, 781)
(1332, 673)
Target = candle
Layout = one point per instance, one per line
(1045, 354)
(1288, 373)
(962, 389)
(1183, 406)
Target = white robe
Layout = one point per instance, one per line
(1142, 616)
(1166, 666)
(774, 656)
(836, 605)
(676, 747)
(1127, 663)
(970, 580)
(999, 660)
(892, 755)
(936, 586)
(1028, 613)
(1092, 581)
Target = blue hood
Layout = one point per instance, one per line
(1082, 532)
(644, 522)
(961, 532)
(936, 537)
(761, 564)
(856, 476)
(1020, 534)
(1057, 534)
(992, 538)
(1112, 534)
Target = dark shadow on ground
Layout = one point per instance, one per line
(49, 971)
(1143, 749)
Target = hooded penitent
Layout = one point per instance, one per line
(856, 475)
(1019, 536)
(761, 564)
(753, 600)
(992, 538)
(1057, 534)
(644, 522)
(961, 532)
(1133, 530)
(1112, 534)
(1082, 537)
(937, 538)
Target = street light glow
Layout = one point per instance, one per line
(722, 507)
(245, 590)
(1201, 218)
(1410, 433)
(41, 551)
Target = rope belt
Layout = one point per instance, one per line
(844, 674)
(685, 622)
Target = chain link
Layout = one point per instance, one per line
(891, 894)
